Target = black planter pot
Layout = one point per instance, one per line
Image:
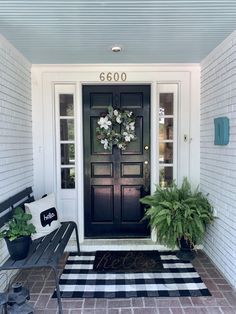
(186, 252)
(18, 248)
(185, 245)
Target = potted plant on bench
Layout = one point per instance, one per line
(17, 234)
(179, 217)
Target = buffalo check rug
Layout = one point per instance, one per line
(176, 279)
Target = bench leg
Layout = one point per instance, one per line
(58, 290)
(77, 239)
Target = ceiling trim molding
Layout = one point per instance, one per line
(93, 66)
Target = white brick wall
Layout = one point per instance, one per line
(16, 158)
(218, 163)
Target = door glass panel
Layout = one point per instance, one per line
(67, 129)
(67, 178)
(166, 104)
(66, 105)
(166, 153)
(67, 154)
(165, 176)
(166, 129)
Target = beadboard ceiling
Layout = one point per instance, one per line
(149, 31)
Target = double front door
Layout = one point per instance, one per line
(114, 181)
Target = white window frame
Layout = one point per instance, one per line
(173, 89)
(63, 194)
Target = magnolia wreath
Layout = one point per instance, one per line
(116, 128)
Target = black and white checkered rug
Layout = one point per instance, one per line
(177, 279)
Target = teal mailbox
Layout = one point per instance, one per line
(221, 131)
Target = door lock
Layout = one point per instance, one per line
(146, 147)
(146, 162)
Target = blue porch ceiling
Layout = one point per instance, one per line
(149, 31)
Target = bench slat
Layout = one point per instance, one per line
(28, 200)
(23, 194)
(12, 201)
(5, 218)
(40, 251)
(60, 249)
(49, 253)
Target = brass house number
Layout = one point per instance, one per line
(113, 77)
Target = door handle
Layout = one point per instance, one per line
(146, 176)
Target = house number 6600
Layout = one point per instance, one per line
(109, 76)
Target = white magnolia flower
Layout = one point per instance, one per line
(131, 126)
(121, 146)
(118, 119)
(105, 143)
(128, 136)
(130, 113)
(104, 123)
(116, 112)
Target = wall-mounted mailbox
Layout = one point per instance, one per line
(221, 131)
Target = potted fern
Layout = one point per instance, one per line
(179, 216)
(17, 234)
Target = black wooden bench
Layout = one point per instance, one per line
(45, 251)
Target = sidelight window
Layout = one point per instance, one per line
(167, 134)
(67, 140)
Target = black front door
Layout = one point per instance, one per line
(115, 181)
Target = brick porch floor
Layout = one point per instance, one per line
(223, 300)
